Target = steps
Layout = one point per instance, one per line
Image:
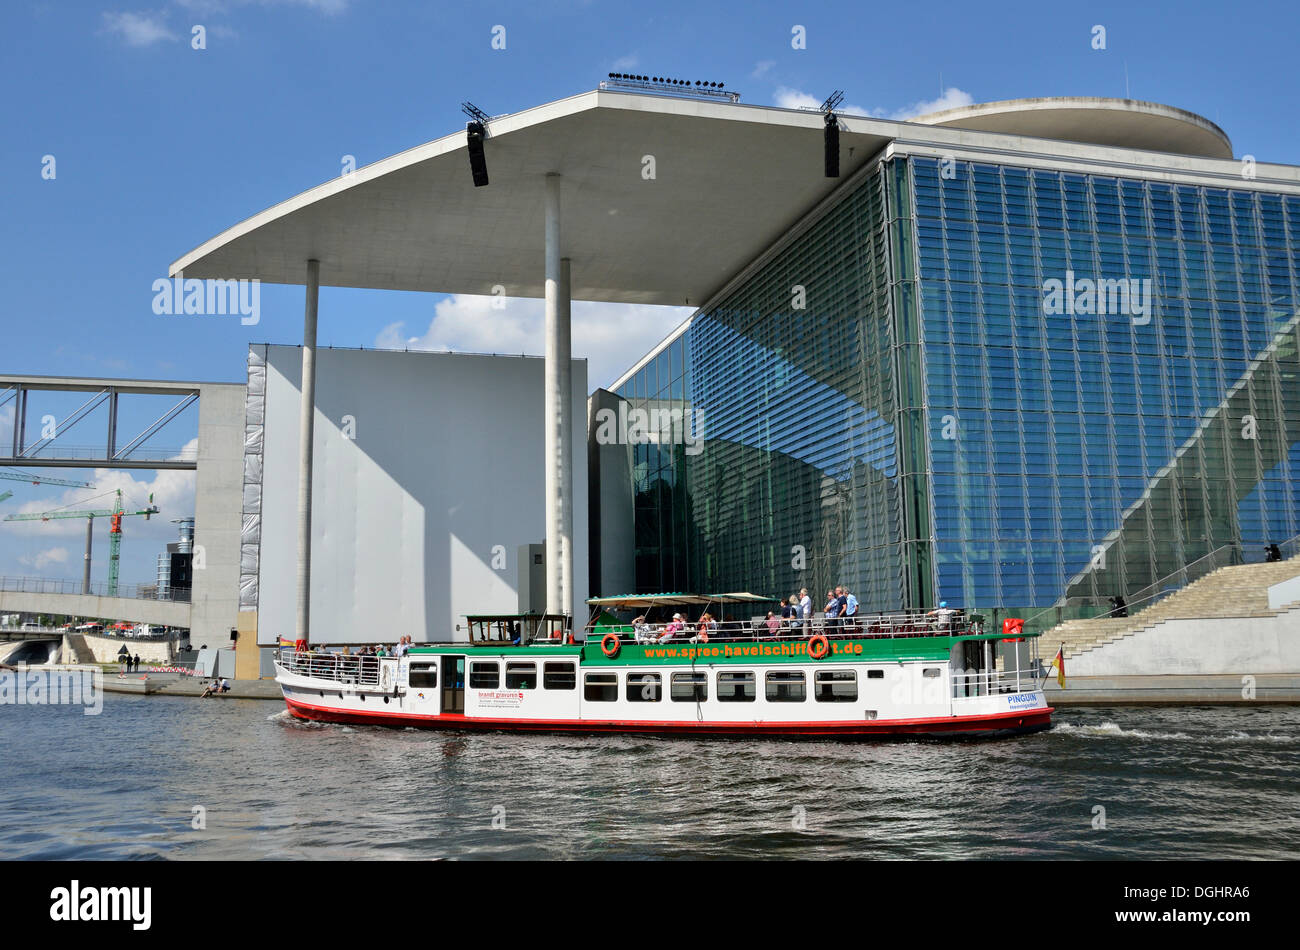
(75, 649)
(1240, 590)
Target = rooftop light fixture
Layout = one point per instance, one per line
(666, 84)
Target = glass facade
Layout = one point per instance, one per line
(996, 386)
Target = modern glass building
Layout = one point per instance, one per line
(1023, 376)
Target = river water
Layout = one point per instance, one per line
(132, 782)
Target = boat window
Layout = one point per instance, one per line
(643, 688)
(423, 677)
(785, 686)
(875, 674)
(484, 675)
(559, 676)
(690, 687)
(836, 686)
(600, 687)
(521, 675)
(736, 687)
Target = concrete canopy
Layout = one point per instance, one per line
(1129, 123)
(729, 180)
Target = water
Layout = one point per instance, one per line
(1187, 783)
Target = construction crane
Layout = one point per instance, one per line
(115, 516)
(42, 480)
(6, 494)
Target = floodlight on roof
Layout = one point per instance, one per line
(666, 84)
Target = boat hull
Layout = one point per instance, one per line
(992, 725)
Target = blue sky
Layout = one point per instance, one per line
(158, 146)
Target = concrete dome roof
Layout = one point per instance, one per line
(1127, 123)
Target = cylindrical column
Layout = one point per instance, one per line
(85, 570)
(556, 404)
(564, 367)
(306, 433)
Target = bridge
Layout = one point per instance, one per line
(218, 464)
(133, 604)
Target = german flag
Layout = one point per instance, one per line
(1060, 666)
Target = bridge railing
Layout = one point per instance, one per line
(51, 585)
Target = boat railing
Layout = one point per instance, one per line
(354, 670)
(864, 626)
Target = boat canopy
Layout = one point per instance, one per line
(638, 601)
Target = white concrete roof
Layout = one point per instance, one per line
(730, 179)
(1129, 123)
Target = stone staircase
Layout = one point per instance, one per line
(75, 650)
(1240, 590)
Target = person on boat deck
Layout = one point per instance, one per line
(786, 610)
(942, 615)
(704, 628)
(794, 611)
(642, 632)
(805, 610)
(773, 623)
(849, 615)
(677, 626)
(832, 609)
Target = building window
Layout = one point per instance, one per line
(689, 687)
(559, 676)
(736, 687)
(836, 686)
(643, 688)
(600, 687)
(521, 675)
(875, 674)
(484, 675)
(423, 677)
(785, 686)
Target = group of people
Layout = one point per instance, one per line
(841, 611)
(217, 686)
(401, 648)
(796, 615)
(130, 664)
(706, 626)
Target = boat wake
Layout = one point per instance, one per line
(1111, 730)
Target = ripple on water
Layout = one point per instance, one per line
(1176, 782)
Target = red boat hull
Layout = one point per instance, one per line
(1000, 724)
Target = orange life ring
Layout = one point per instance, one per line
(818, 647)
(609, 645)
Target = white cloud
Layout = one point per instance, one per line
(951, 98)
(138, 29)
(762, 68)
(788, 98)
(173, 493)
(610, 336)
(624, 62)
(44, 559)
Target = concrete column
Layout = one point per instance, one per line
(557, 408)
(85, 571)
(564, 367)
(305, 442)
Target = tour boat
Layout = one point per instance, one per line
(888, 675)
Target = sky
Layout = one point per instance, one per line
(122, 146)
